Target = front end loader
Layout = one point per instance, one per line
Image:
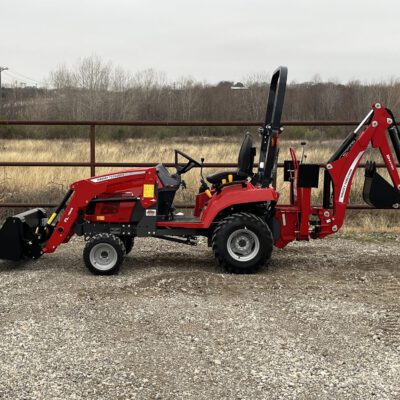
(238, 211)
(20, 236)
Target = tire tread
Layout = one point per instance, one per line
(108, 238)
(240, 218)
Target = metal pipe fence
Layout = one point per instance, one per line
(92, 164)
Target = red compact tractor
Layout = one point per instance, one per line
(237, 211)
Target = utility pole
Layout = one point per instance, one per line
(1, 98)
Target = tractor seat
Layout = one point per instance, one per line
(218, 176)
(245, 164)
(166, 194)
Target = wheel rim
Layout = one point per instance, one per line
(243, 245)
(103, 256)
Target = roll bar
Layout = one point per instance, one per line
(271, 129)
(276, 97)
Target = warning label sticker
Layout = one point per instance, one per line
(148, 191)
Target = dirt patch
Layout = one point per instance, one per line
(321, 322)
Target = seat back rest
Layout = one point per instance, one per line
(246, 156)
(169, 181)
(166, 194)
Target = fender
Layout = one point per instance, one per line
(237, 195)
(221, 201)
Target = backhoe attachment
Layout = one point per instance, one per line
(377, 191)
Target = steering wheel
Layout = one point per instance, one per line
(189, 165)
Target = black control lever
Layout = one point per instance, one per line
(303, 156)
(203, 186)
(201, 169)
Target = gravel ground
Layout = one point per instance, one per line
(320, 323)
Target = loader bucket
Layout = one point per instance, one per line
(18, 238)
(378, 192)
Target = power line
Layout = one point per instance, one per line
(12, 74)
(1, 94)
(7, 74)
(13, 71)
(14, 78)
(18, 80)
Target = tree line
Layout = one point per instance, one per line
(95, 90)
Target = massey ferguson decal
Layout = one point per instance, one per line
(69, 214)
(390, 161)
(115, 176)
(348, 176)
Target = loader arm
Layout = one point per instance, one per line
(343, 164)
(83, 192)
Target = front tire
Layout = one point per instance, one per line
(128, 242)
(103, 254)
(242, 243)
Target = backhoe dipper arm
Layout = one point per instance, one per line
(342, 165)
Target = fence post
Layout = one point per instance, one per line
(92, 150)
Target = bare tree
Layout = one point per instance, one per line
(95, 89)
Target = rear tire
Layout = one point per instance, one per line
(242, 243)
(103, 254)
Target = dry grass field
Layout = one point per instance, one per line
(48, 184)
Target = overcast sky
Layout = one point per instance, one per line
(204, 39)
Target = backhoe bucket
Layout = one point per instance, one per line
(19, 238)
(378, 192)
